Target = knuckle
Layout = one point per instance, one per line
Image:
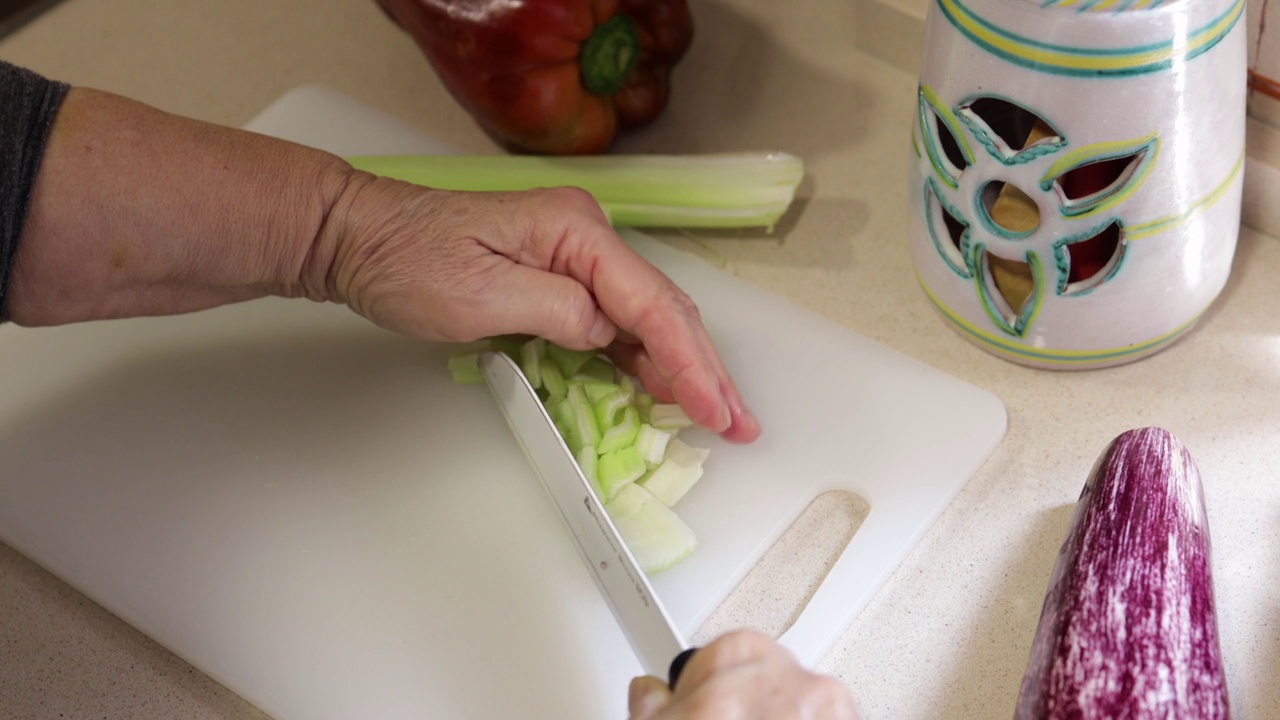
(565, 197)
(574, 197)
(716, 699)
(738, 645)
(575, 312)
(684, 304)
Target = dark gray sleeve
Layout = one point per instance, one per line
(28, 104)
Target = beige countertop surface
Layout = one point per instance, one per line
(949, 634)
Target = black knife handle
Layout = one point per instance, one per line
(677, 667)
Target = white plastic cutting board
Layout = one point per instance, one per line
(304, 506)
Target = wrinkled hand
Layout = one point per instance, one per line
(742, 676)
(463, 266)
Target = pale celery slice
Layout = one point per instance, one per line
(680, 469)
(656, 536)
(749, 189)
(652, 443)
(668, 416)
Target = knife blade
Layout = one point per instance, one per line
(656, 641)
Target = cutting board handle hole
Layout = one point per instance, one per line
(778, 588)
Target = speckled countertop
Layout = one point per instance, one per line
(948, 635)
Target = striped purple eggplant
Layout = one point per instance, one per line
(1128, 630)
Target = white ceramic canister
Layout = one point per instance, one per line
(1076, 172)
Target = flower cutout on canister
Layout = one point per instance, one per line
(1030, 215)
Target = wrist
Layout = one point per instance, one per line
(138, 212)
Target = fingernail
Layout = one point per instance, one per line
(744, 422)
(724, 415)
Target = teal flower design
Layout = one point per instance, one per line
(1029, 216)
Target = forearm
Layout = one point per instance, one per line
(138, 212)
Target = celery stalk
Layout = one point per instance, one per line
(722, 190)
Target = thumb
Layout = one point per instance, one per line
(647, 697)
(555, 307)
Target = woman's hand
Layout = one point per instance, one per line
(742, 676)
(463, 266)
(139, 212)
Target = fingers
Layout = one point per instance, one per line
(647, 697)
(529, 301)
(677, 355)
(634, 359)
(745, 675)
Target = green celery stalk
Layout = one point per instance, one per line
(723, 190)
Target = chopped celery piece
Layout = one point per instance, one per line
(465, 368)
(562, 416)
(652, 443)
(568, 361)
(623, 434)
(599, 369)
(618, 468)
(588, 460)
(509, 345)
(582, 419)
(621, 438)
(748, 189)
(628, 386)
(680, 469)
(643, 403)
(656, 536)
(553, 381)
(668, 417)
(596, 389)
(609, 408)
(531, 361)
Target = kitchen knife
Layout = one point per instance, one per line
(657, 643)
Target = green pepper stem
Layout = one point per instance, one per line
(609, 55)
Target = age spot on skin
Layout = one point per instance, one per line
(119, 257)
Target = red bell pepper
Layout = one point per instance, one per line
(554, 77)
